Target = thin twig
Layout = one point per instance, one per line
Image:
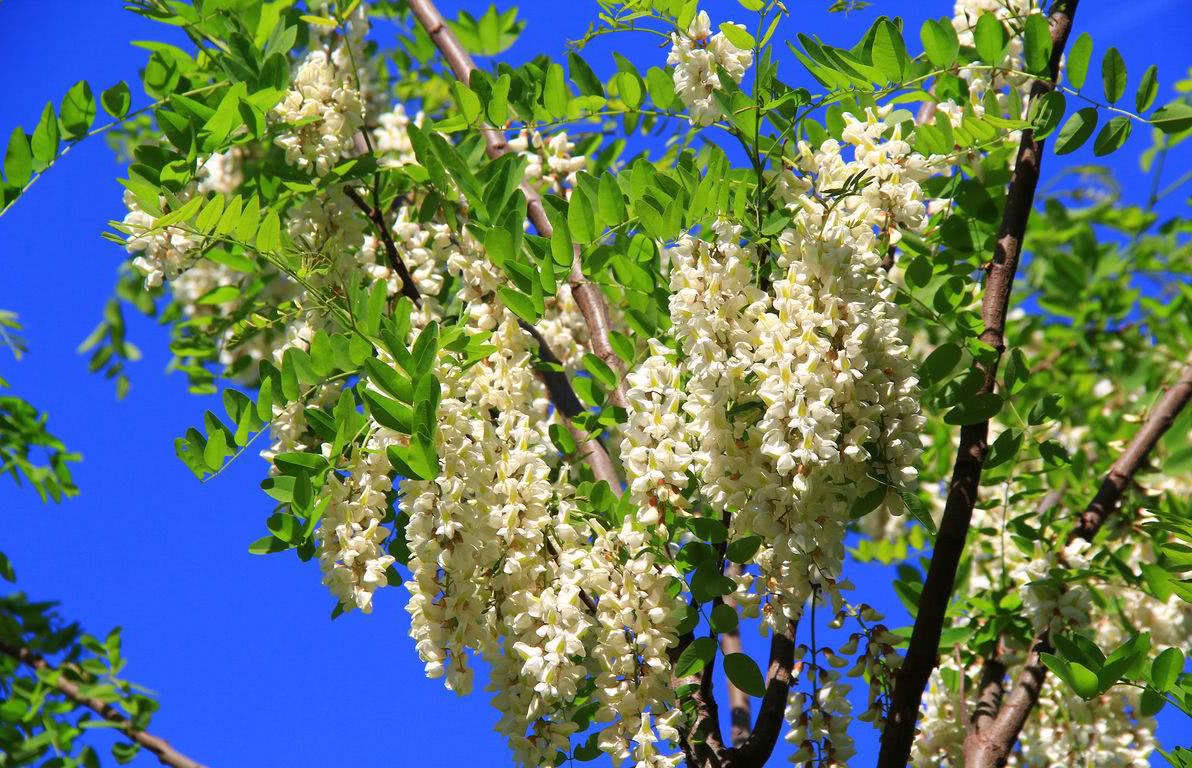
(55, 677)
(586, 294)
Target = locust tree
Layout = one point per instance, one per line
(604, 372)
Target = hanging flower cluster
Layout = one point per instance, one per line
(777, 395)
(324, 111)
(697, 56)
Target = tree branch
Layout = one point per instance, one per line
(587, 295)
(760, 745)
(408, 288)
(921, 655)
(1122, 472)
(562, 394)
(155, 744)
(740, 719)
(988, 745)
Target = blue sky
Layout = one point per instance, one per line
(249, 669)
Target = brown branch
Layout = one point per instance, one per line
(155, 744)
(374, 214)
(990, 741)
(562, 394)
(587, 295)
(740, 718)
(1123, 470)
(922, 652)
(988, 745)
(700, 738)
(760, 745)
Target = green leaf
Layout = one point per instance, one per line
(1004, 448)
(1147, 89)
(1037, 39)
(1166, 668)
(600, 371)
(610, 202)
(216, 449)
(269, 234)
(889, 52)
(44, 143)
(698, 654)
(18, 159)
(563, 439)
(555, 95)
(1078, 677)
(389, 412)
(1113, 75)
(583, 76)
(661, 87)
(1017, 372)
(267, 545)
(629, 89)
(580, 219)
(940, 43)
(422, 355)
(941, 362)
(519, 304)
(1151, 702)
(742, 672)
(742, 550)
(1077, 64)
(918, 511)
(1076, 131)
(1112, 135)
(989, 38)
(1046, 112)
(1173, 118)
(737, 35)
(116, 100)
(724, 618)
(975, 409)
(78, 111)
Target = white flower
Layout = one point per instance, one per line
(322, 113)
(697, 55)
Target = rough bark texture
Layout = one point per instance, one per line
(922, 652)
(587, 295)
(155, 744)
(991, 739)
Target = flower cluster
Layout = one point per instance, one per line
(351, 536)
(162, 252)
(322, 112)
(697, 56)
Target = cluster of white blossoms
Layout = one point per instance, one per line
(551, 160)
(697, 56)
(392, 139)
(787, 404)
(351, 537)
(161, 252)
(322, 111)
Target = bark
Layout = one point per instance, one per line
(989, 743)
(740, 719)
(760, 745)
(1122, 472)
(587, 295)
(921, 656)
(155, 744)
